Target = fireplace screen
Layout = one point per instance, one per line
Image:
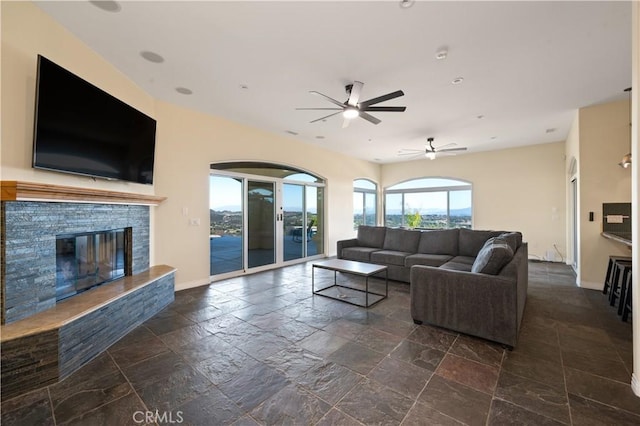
(87, 260)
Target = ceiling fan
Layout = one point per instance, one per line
(430, 151)
(352, 107)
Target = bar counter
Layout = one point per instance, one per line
(621, 237)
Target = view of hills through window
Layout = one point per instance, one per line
(432, 203)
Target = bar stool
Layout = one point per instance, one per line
(619, 280)
(626, 301)
(608, 279)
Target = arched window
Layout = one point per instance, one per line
(365, 202)
(429, 203)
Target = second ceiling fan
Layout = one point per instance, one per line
(352, 107)
(430, 151)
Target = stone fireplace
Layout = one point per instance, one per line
(30, 231)
(75, 278)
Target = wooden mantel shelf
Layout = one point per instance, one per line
(29, 191)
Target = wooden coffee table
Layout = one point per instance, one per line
(351, 267)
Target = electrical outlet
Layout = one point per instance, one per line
(194, 222)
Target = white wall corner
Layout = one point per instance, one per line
(635, 384)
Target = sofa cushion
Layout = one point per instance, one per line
(514, 239)
(456, 266)
(471, 241)
(371, 236)
(427, 259)
(361, 254)
(441, 241)
(495, 253)
(467, 260)
(389, 257)
(401, 240)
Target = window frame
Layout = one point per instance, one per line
(366, 191)
(464, 186)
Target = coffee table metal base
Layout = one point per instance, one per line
(365, 270)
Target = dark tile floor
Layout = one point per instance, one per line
(261, 350)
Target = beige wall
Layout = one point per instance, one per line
(188, 142)
(604, 139)
(27, 32)
(514, 189)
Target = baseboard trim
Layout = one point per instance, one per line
(635, 384)
(192, 284)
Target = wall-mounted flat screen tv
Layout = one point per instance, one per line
(81, 129)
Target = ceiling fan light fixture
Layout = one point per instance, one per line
(431, 155)
(350, 113)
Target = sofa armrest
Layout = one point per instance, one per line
(472, 303)
(353, 242)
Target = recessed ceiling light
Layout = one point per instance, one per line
(406, 4)
(550, 130)
(184, 90)
(319, 137)
(244, 86)
(291, 132)
(107, 5)
(377, 159)
(152, 57)
(494, 138)
(442, 54)
(480, 117)
(457, 80)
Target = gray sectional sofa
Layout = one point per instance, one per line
(470, 281)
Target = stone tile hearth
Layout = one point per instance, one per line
(219, 355)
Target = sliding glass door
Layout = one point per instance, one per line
(263, 222)
(295, 231)
(314, 208)
(226, 230)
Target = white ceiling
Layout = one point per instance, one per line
(527, 66)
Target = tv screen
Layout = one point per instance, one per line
(83, 130)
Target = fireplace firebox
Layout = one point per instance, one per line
(89, 259)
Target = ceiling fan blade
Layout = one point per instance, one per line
(411, 152)
(384, 109)
(382, 98)
(370, 118)
(319, 109)
(451, 150)
(326, 116)
(333, 101)
(354, 96)
(446, 145)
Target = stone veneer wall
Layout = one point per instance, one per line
(28, 241)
